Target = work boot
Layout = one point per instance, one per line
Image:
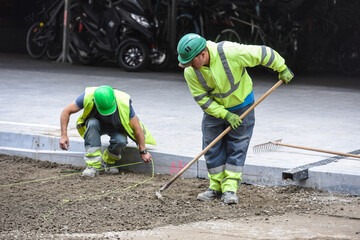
(110, 168)
(90, 172)
(208, 195)
(230, 197)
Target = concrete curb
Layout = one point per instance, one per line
(46, 148)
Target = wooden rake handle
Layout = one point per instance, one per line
(317, 150)
(220, 136)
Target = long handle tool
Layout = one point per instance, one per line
(273, 144)
(158, 194)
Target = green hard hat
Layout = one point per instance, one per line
(189, 46)
(105, 100)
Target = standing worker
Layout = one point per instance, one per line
(217, 78)
(106, 111)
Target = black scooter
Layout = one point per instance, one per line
(121, 33)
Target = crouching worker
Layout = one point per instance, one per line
(106, 111)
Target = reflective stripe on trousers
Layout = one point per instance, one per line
(93, 157)
(118, 142)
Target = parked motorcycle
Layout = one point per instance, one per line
(121, 33)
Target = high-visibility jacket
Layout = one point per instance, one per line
(123, 104)
(225, 83)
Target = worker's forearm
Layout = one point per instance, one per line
(64, 122)
(140, 138)
(139, 133)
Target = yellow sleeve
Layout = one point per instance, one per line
(254, 55)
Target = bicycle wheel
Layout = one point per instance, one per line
(185, 23)
(56, 32)
(55, 45)
(228, 35)
(54, 50)
(37, 40)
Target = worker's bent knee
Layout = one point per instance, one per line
(118, 143)
(93, 124)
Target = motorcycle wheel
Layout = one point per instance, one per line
(37, 41)
(132, 55)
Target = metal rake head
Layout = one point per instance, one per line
(269, 146)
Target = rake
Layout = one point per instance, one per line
(273, 145)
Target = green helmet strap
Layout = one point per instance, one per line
(104, 99)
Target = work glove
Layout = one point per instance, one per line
(286, 75)
(233, 119)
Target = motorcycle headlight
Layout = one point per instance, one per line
(140, 20)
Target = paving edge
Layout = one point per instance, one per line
(46, 148)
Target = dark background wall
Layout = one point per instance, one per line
(13, 27)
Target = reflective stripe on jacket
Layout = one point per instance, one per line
(122, 100)
(226, 83)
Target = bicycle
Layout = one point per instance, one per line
(280, 35)
(204, 17)
(43, 33)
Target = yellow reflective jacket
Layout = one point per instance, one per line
(123, 101)
(226, 83)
